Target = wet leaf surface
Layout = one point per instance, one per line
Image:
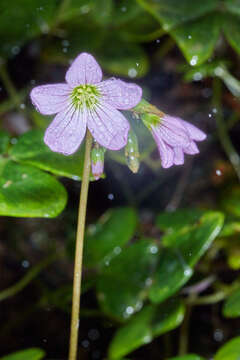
(26, 191)
(149, 323)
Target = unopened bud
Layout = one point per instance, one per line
(97, 161)
(131, 152)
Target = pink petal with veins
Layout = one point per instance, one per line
(50, 99)
(172, 133)
(108, 126)
(191, 149)
(165, 151)
(66, 131)
(178, 156)
(119, 94)
(84, 70)
(194, 132)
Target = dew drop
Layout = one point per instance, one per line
(132, 73)
(15, 50)
(25, 264)
(110, 196)
(194, 60)
(197, 76)
(117, 250)
(129, 310)
(153, 249)
(85, 343)
(218, 335)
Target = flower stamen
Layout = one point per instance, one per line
(85, 96)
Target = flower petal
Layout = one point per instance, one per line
(194, 132)
(84, 70)
(119, 94)
(50, 99)
(172, 133)
(66, 131)
(108, 126)
(191, 149)
(178, 156)
(165, 151)
(97, 169)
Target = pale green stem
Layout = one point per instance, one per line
(209, 299)
(79, 250)
(8, 84)
(222, 128)
(30, 275)
(61, 12)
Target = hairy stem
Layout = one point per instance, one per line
(79, 250)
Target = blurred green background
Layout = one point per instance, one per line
(162, 250)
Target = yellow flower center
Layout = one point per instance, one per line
(85, 96)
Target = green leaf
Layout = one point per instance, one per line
(29, 192)
(149, 323)
(229, 351)
(57, 52)
(126, 12)
(198, 38)
(135, 24)
(172, 13)
(231, 307)
(123, 58)
(231, 30)
(231, 200)
(28, 354)
(183, 250)
(196, 27)
(105, 240)
(27, 18)
(30, 149)
(233, 6)
(4, 141)
(187, 357)
(124, 284)
(102, 11)
(173, 221)
(231, 227)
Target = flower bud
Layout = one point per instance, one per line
(97, 161)
(131, 152)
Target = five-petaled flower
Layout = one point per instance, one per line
(174, 138)
(85, 101)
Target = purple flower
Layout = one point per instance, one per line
(174, 138)
(97, 161)
(97, 169)
(86, 101)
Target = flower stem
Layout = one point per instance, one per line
(79, 250)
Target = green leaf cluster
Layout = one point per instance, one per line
(196, 27)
